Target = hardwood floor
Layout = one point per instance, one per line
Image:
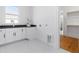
(69, 43)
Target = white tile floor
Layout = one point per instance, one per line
(29, 46)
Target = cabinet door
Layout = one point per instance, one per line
(23, 33)
(31, 33)
(74, 46)
(2, 36)
(10, 35)
(69, 43)
(18, 33)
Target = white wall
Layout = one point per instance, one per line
(47, 17)
(25, 13)
(2, 13)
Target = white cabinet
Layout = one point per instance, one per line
(10, 35)
(14, 34)
(21, 33)
(18, 33)
(2, 36)
(24, 33)
(31, 33)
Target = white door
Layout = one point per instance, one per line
(2, 36)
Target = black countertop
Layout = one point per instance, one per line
(15, 26)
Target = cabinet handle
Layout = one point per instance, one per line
(4, 35)
(14, 34)
(22, 30)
